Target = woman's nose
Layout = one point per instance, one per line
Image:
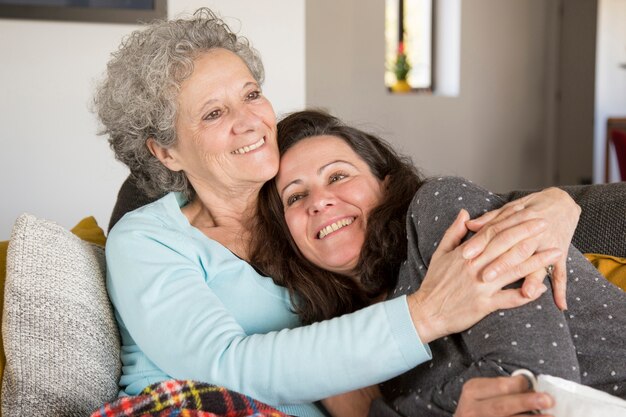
(245, 120)
(320, 200)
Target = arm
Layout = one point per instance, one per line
(453, 296)
(158, 285)
(352, 404)
(534, 336)
(554, 206)
(163, 287)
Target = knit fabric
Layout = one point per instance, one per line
(585, 344)
(176, 398)
(602, 224)
(60, 336)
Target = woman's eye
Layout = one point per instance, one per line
(254, 95)
(213, 115)
(336, 177)
(293, 198)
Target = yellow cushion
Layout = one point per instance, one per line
(87, 229)
(612, 267)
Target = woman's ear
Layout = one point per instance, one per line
(386, 181)
(163, 154)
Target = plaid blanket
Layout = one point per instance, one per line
(186, 399)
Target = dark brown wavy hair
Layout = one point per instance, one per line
(318, 294)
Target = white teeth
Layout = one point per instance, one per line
(334, 227)
(249, 148)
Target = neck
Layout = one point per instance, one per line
(225, 215)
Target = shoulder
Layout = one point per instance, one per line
(440, 188)
(435, 186)
(443, 197)
(159, 222)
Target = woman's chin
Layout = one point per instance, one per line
(339, 264)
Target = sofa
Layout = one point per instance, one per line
(58, 328)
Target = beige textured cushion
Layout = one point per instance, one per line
(60, 336)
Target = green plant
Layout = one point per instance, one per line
(402, 66)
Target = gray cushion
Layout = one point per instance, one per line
(602, 224)
(60, 335)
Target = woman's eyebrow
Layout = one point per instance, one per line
(210, 101)
(319, 172)
(337, 161)
(251, 83)
(297, 181)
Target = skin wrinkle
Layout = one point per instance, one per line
(137, 98)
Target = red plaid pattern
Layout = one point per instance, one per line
(177, 398)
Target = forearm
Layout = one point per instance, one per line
(193, 327)
(352, 404)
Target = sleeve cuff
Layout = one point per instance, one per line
(403, 331)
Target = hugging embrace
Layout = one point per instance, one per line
(344, 271)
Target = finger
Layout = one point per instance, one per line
(559, 283)
(483, 388)
(533, 282)
(454, 234)
(513, 404)
(512, 298)
(478, 243)
(510, 261)
(512, 215)
(537, 262)
(495, 216)
(476, 224)
(501, 241)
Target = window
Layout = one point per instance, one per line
(409, 39)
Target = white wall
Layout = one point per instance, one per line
(494, 132)
(610, 78)
(52, 162)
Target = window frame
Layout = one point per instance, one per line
(433, 18)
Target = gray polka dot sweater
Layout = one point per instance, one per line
(586, 343)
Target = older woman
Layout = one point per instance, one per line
(183, 108)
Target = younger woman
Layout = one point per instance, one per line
(355, 209)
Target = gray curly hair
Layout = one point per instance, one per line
(137, 99)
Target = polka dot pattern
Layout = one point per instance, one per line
(537, 336)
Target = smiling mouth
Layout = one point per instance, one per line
(246, 149)
(334, 227)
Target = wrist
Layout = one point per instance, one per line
(428, 323)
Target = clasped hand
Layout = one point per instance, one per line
(552, 205)
(465, 281)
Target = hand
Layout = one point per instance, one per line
(500, 397)
(552, 205)
(352, 404)
(453, 295)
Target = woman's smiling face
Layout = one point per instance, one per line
(226, 128)
(327, 192)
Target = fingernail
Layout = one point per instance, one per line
(531, 291)
(544, 402)
(469, 252)
(542, 288)
(490, 275)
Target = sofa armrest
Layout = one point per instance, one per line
(602, 224)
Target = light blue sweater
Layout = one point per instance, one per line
(188, 308)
